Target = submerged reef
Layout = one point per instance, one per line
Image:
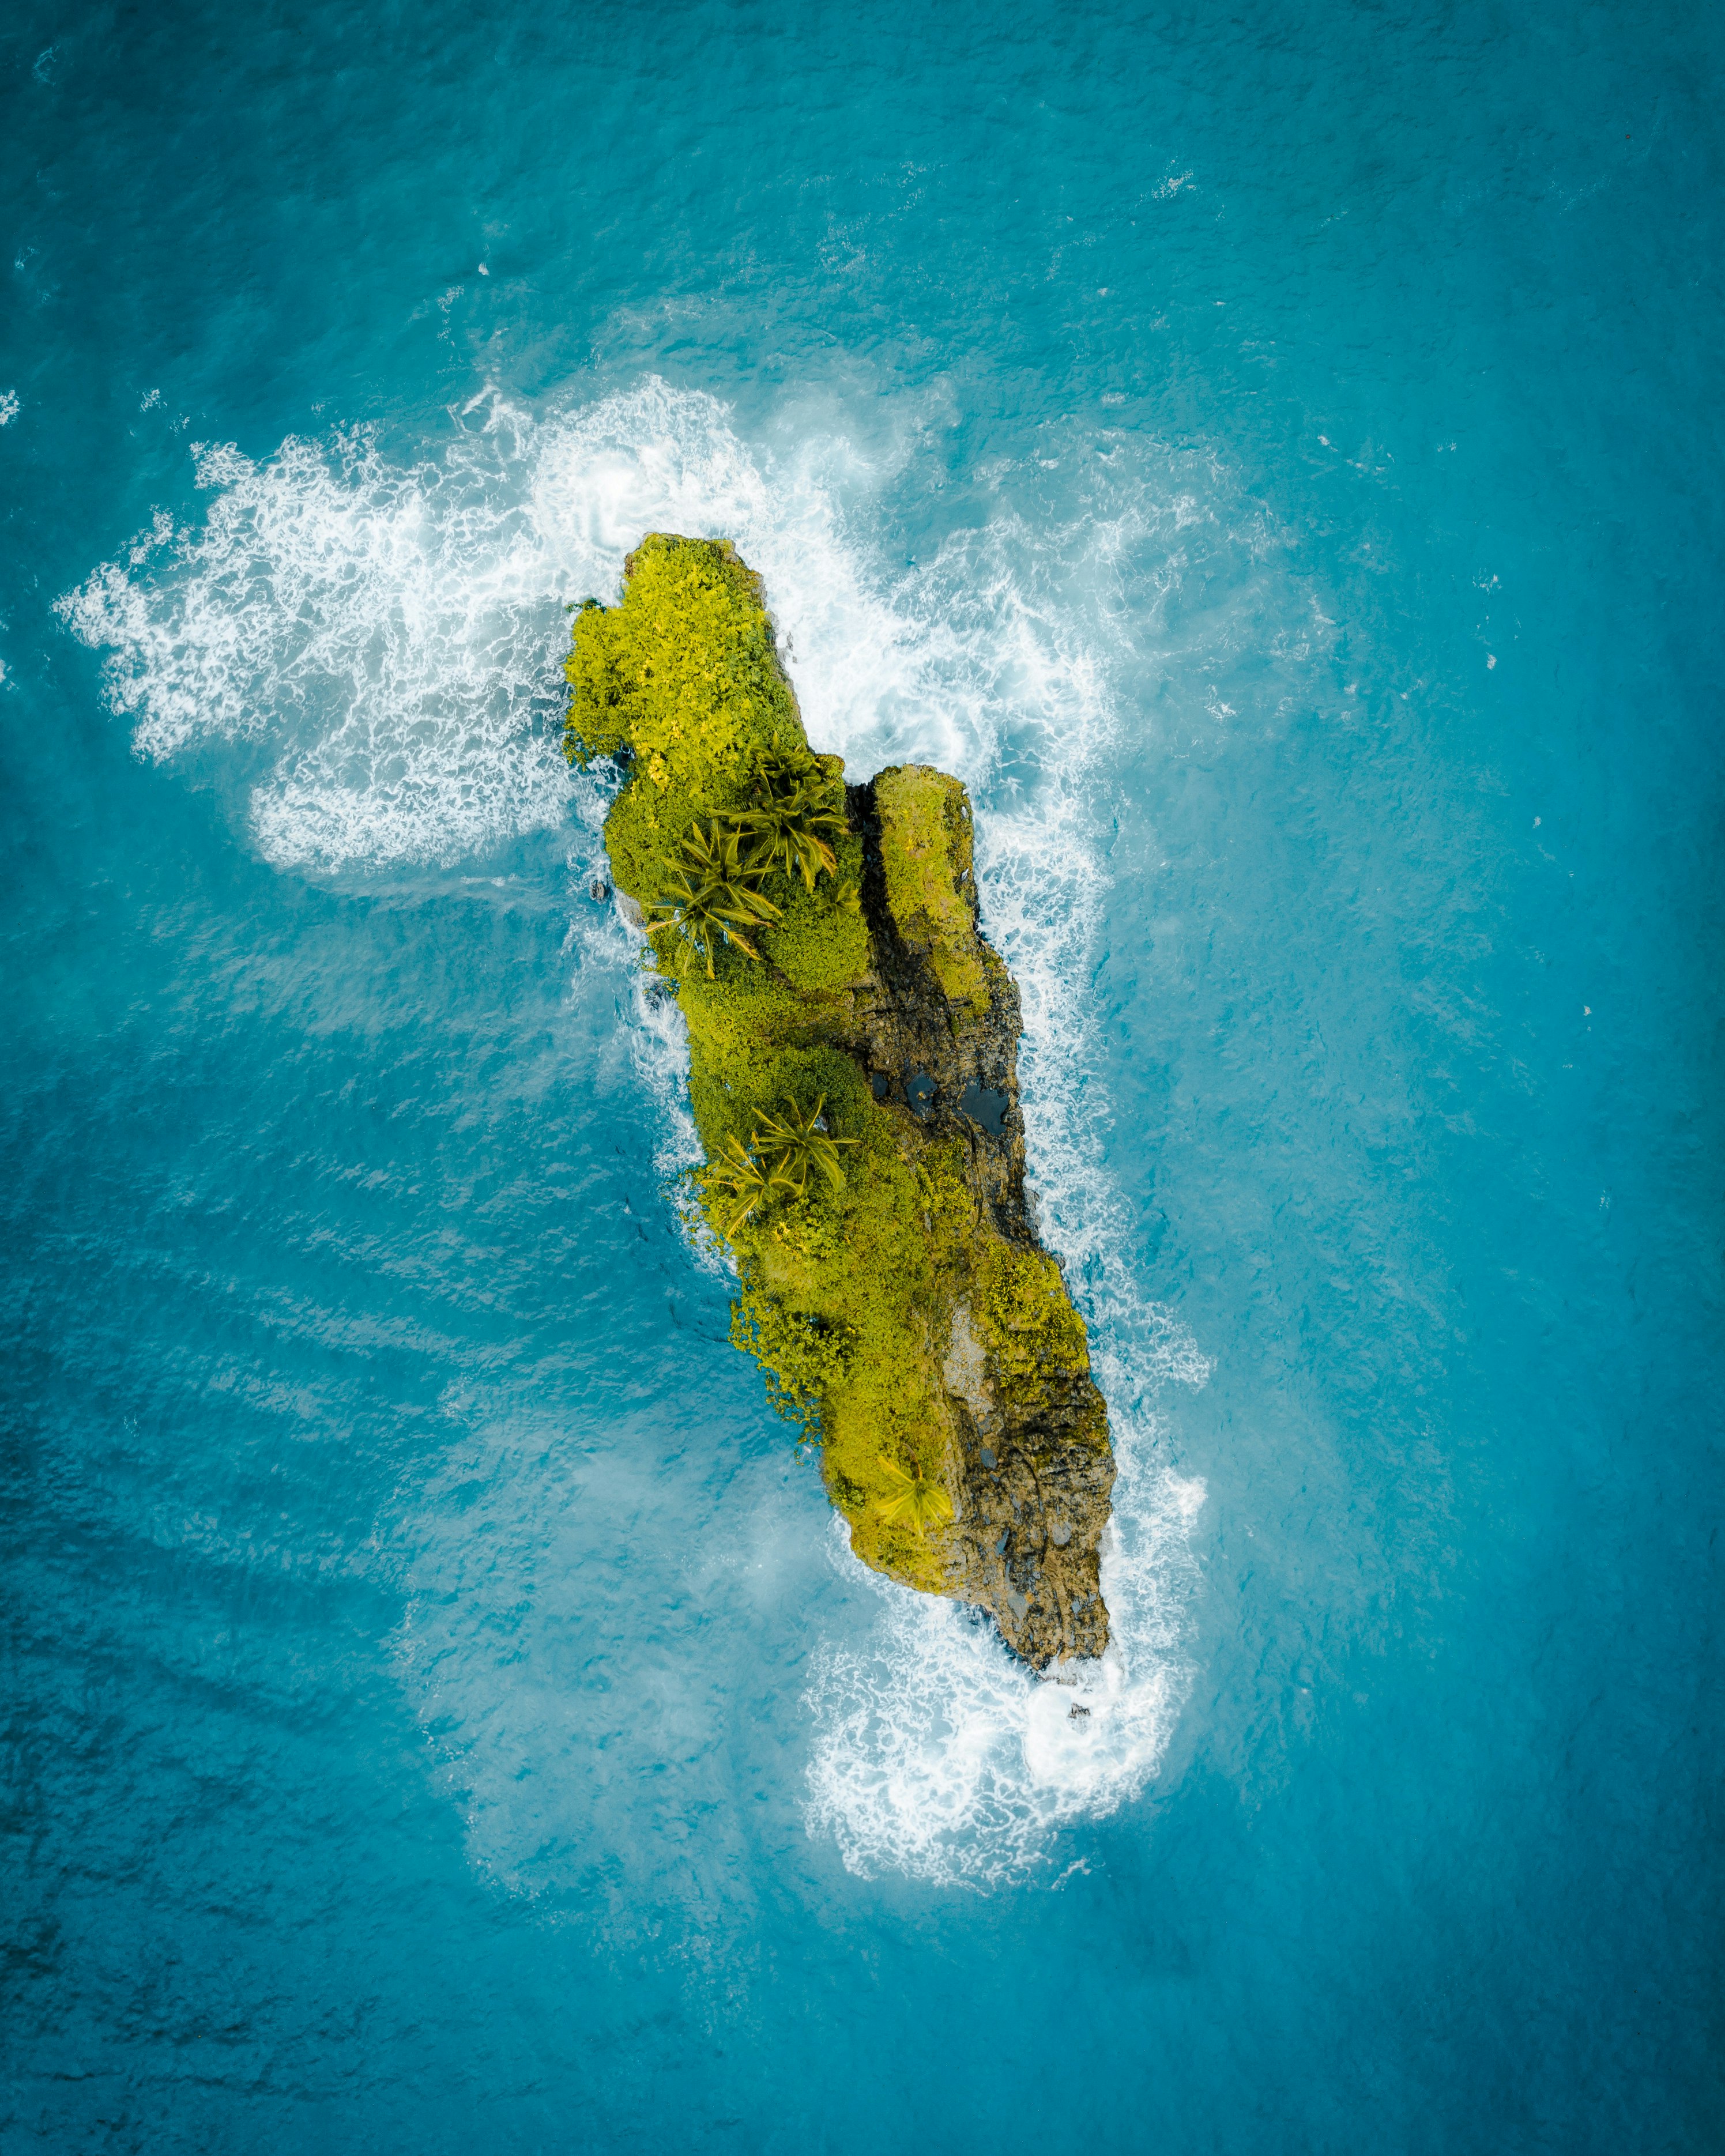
(853, 1043)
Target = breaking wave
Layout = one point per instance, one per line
(392, 634)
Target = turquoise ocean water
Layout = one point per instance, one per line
(1274, 454)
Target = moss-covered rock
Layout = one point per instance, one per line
(898, 1302)
(926, 865)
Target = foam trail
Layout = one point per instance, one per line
(390, 633)
(393, 636)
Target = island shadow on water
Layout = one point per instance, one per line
(853, 1044)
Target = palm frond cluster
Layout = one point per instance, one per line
(782, 1153)
(715, 892)
(714, 895)
(791, 822)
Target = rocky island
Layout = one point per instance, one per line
(853, 1041)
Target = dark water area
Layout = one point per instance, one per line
(1276, 461)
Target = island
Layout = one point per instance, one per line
(853, 1044)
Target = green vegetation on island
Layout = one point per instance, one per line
(852, 1040)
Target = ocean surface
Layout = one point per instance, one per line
(1274, 454)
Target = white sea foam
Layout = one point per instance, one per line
(937, 1755)
(393, 634)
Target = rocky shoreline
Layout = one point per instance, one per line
(1033, 1483)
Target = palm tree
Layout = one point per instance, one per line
(797, 1144)
(779, 1158)
(750, 1182)
(713, 894)
(792, 818)
(914, 1501)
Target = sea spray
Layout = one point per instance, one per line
(392, 633)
